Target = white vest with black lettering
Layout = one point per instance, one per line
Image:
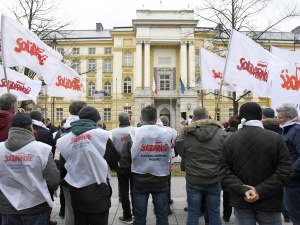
(151, 149)
(21, 176)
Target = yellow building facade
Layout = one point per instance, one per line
(119, 67)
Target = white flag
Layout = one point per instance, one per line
(154, 87)
(250, 66)
(22, 47)
(286, 85)
(20, 85)
(212, 68)
(67, 83)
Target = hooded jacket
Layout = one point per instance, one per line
(272, 124)
(18, 138)
(200, 143)
(5, 118)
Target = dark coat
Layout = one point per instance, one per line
(5, 118)
(45, 136)
(257, 157)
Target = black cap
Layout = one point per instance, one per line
(89, 112)
(268, 112)
(22, 120)
(250, 111)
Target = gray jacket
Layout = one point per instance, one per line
(17, 138)
(200, 144)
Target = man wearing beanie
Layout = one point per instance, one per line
(89, 153)
(255, 165)
(27, 171)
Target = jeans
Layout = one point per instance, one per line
(250, 217)
(292, 194)
(30, 219)
(124, 184)
(160, 198)
(212, 193)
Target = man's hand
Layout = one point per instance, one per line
(251, 195)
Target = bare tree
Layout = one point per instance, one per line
(242, 15)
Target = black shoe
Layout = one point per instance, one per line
(286, 218)
(61, 214)
(170, 211)
(185, 209)
(226, 219)
(126, 220)
(171, 202)
(52, 222)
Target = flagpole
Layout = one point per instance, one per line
(5, 76)
(219, 95)
(46, 96)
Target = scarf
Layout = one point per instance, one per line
(291, 122)
(252, 123)
(69, 120)
(39, 124)
(82, 125)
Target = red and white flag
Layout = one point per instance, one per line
(250, 66)
(154, 87)
(286, 85)
(20, 85)
(212, 68)
(67, 83)
(22, 47)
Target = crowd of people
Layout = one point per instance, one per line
(253, 159)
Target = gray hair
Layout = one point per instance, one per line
(124, 117)
(288, 109)
(7, 101)
(200, 113)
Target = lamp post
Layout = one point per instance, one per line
(53, 43)
(296, 41)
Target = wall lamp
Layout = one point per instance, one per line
(189, 106)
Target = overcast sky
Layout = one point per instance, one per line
(119, 13)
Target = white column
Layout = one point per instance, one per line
(138, 65)
(147, 64)
(183, 62)
(191, 59)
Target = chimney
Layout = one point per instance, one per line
(99, 27)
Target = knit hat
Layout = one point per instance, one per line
(22, 120)
(250, 111)
(89, 112)
(268, 112)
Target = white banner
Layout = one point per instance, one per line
(20, 85)
(212, 68)
(22, 47)
(67, 83)
(286, 85)
(250, 66)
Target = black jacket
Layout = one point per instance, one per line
(45, 136)
(257, 157)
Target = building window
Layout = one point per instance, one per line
(107, 65)
(231, 113)
(216, 92)
(107, 114)
(230, 94)
(91, 89)
(76, 65)
(128, 110)
(164, 83)
(61, 51)
(59, 114)
(127, 59)
(92, 51)
(127, 85)
(107, 50)
(198, 85)
(92, 65)
(75, 51)
(107, 88)
(197, 60)
(247, 95)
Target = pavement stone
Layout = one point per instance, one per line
(179, 216)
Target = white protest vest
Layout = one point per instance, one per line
(151, 150)
(119, 136)
(174, 133)
(84, 157)
(21, 176)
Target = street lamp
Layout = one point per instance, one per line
(296, 41)
(53, 43)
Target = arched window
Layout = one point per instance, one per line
(107, 87)
(127, 85)
(91, 89)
